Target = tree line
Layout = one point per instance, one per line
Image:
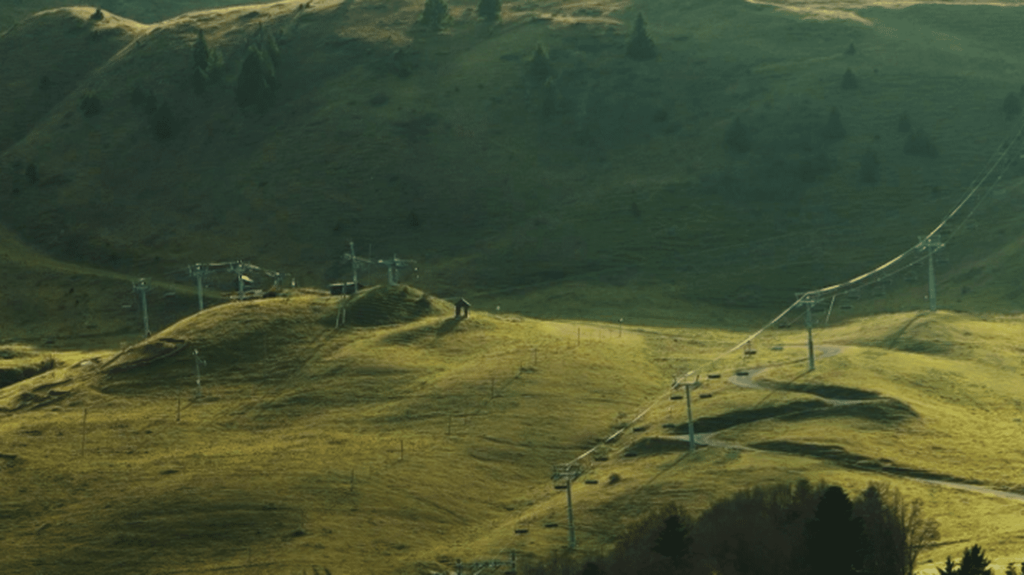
(785, 529)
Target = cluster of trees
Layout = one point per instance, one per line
(794, 529)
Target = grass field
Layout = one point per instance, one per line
(608, 238)
(406, 446)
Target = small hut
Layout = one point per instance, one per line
(462, 308)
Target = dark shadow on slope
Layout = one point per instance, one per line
(739, 417)
(827, 391)
(842, 457)
(882, 411)
(656, 445)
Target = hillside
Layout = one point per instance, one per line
(617, 224)
(407, 446)
(439, 147)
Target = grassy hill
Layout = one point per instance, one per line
(407, 446)
(440, 147)
(640, 215)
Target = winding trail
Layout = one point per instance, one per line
(746, 381)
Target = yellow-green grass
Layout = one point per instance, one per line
(258, 471)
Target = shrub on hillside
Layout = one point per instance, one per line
(849, 80)
(435, 15)
(540, 64)
(206, 64)
(257, 80)
(90, 105)
(640, 46)
(834, 129)
(973, 562)
(489, 9)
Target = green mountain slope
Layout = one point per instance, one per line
(443, 147)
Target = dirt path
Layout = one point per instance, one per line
(835, 454)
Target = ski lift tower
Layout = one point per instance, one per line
(357, 262)
(394, 265)
(199, 271)
(567, 473)
(240, 268)
(142, 286)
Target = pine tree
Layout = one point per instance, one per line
(834, 536)
(540, 64)
(974, 562)
(849, 80)
(834, 129)
(435, 14)
(673, 540)
(489, 9)
(640, 46)
(949, 568)
(256, 82)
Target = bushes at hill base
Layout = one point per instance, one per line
(640, 46)
(799, 528)
(489, 9)
(257, 80)
(435, 15)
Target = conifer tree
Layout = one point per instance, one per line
(257, 81)
(974, 562)
(435, 14)
(849, 80)
(640, 46)
(834, 129)
(489, 9)
(834, 536)
(540, 64)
